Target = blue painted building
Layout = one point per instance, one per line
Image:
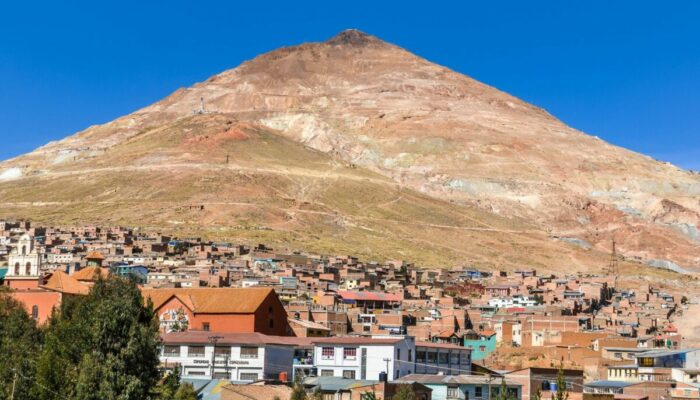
(482, 344)
(463, 387)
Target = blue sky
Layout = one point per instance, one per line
(627, 71)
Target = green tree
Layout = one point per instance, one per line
(404, 393)
(106, 344)
(185, 392)
(369, 396)
(502, 393)
(20, 341)
(561, 393)
(169, 386)
(298, 391)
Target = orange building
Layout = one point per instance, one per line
(224, 310)
(39, 298)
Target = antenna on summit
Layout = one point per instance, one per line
(201, 107)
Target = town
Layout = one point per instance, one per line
(244, 322)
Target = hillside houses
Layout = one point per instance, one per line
(338, 318)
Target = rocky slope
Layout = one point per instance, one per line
(433, 143)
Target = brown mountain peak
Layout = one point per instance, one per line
(354, 37)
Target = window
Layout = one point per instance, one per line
(28, 269)
(482, 348)
(205, 326)
(349, 374)
(196, 373)
(454, 358)
(35, 312)
(272, 323)
(432, 358)
(646, 362)
(350, 353)
(453, 392)
(16, 268)
(410, 355)
(248, 376)
(420, 356)
(398, 354)
(221, 375)
(327, 353)
(249, 352)
(222, 351)
(478, 392)
(171, 351)
(443, 358)
(195, 351)
(326, 372)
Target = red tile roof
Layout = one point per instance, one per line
(203, 337)
(212, 300)
(358, 340)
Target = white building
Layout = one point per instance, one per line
(243, 357)
(364, 357)
(24, 261)
(516, 301)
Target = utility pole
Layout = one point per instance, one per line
(387, 360)
(488, 380)
(213, 340)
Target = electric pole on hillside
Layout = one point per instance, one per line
(613, 267)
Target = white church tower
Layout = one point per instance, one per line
(24, 261)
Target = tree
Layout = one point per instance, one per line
(404, 393)
(298, 391)
(369, 396)
(20, 341)
(537, 395)
(503, 391)
(185, 392)
(561, 393)
(106, 344)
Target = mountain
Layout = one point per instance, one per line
(355, 145)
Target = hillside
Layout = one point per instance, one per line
(355, 145)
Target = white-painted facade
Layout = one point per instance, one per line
(244, 363)
(365, 360)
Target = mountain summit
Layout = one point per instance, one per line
(356, 145)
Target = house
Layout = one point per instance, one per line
(464, 387)
(220, 310)
(242, 357)
(387, 390)
(544, 380)
(355, 357)
(655, 365)
(306, 328)
(257, 392)
(370, 300)
(442, 358)
(333, 387)
(480, 343)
